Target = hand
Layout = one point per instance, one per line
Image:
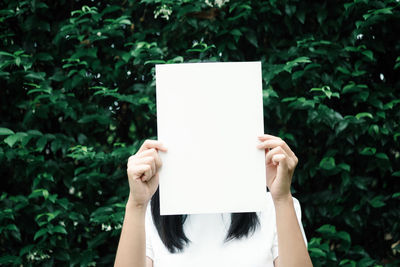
(280, 163)
(142, 172)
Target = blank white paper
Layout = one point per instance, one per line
(209, 116)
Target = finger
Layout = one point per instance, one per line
(147, 174)
(278, 158)
(149, 156)
(147, 144)
(153, 153)
(274, 151)
(267, 136)
(149, 161)
(272, 143)
(290, 161)
(283, 144)
(154, 180)
(139, 171)
(157, 160)
(131, 158)
(283, 164)
(144, 153)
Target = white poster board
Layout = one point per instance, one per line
(209, 116)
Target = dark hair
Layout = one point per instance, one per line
(170, 227)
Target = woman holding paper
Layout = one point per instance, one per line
(247, 240)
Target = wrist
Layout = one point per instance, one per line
(133, 205)
(283, 200)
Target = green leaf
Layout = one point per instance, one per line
(252, 38)
(236, 32)
(39, 76)
(39, 192)
(326, 90)
(290, 64)
(377, 202)
(270, 93)
(10, 260)
(41, 143)
(327, 229)
(26, 249)
(383, 11)
(45, 193)
(40, 233)
(155, 61)
(11, 140)
(368, 151)
(177, 59)
(288, 99)
(17, 61)
(373, 129)
(364, 114)
(397, 65)
(382, 155)
(300, 60)
(354, 88)
(5, 131)
(327, 163)
(344, 166)
(301, 15)
(396, 195)
(125, 21)
(11, 227)
(369, 54)
(3, 53)
(317, 252)
(59, 229)
(348, 263)
(391, 104)
(344, 236)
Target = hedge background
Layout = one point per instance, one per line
(77, 98)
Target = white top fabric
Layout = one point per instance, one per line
(207, 233)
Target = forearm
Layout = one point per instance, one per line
(132, 243)
(291, 246)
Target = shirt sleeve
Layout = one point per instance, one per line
(148, 229)
(297, 209)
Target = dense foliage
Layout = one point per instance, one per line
(77, 97)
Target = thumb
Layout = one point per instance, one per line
(282, 166)
(153, 182)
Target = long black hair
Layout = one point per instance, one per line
(170, 227)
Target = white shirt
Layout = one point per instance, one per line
(207, 233)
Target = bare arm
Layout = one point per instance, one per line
(132, 244)
(143, 180)
(280, 163)
(291, 246)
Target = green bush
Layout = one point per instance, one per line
(77, 98)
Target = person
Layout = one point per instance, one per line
(275, 237)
